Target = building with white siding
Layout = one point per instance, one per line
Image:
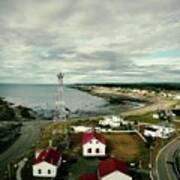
(93, 144)
(46, 163)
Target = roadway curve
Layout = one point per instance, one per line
(29, 137)
(164, 160)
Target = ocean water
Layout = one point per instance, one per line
(44, 96)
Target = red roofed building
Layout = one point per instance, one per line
(109, 169)
(93, 144)
(89, 177)
(113, 169)
(46, 163)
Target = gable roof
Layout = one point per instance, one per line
(51, 156)
(88, 177)
(91, 135)
(110, 165)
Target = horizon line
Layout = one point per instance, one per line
(89, 83)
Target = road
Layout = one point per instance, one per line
(164, 168)
(29, 137)
(150, 108)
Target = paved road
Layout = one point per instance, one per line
(30, 136)
(164, 168)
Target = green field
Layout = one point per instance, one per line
(144, 118)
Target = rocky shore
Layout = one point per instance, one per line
(10, 112)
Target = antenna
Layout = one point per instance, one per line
(60, 113)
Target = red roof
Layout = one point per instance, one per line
(51, 156)
(92, 135)
(110, 165)
(89, 177)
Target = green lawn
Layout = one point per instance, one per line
(60, 126)
(146, 118)
(83, 166)
(126, 147)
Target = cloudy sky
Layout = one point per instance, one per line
(89, 40)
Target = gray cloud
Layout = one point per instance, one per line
(91, 41)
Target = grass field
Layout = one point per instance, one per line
(60, 126)
(117, 145)
(83, 166)
(123, 146)
(126, 147)
(144, 118)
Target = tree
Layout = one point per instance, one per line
(61, 141)
(6, 113)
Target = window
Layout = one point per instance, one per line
(49, 171)
(89, 150)
(97, 150)
(39, 171)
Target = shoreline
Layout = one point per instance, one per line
(118, 101)
(113, 105)
(114, 98)
(110, 96)
(148, 103)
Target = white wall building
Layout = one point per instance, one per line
(46, 163)
(177, 97)
(113, 121)
(79, 129)
(116, 175)
(93, 145)
(155, 116)
(109, 169)
(156, 131)
(112, 169)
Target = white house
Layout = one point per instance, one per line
(109, 169)
(155, 116)
(93, 144)
(113, 169)
(156, 131)
(79, 129)
(46, 163)
(113, 121)
(177, 97)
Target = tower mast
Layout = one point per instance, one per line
(60, 105)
